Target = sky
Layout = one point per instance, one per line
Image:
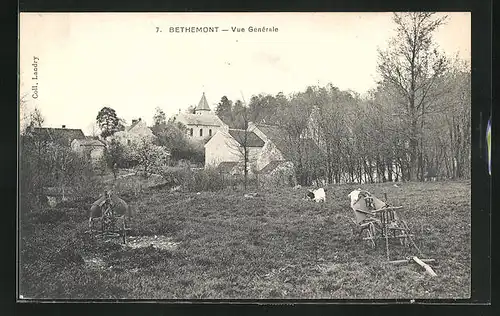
(132, 63)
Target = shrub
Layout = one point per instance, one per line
(174, 176)
(194, 181)
(208, 179)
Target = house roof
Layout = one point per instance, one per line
(207, 119)
(252, 140)
(63, 136)
(203, 104)
(276, 135)
(271, 166)
(227, 166)
(134, 124)
(128, 128)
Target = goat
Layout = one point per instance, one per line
(317, 195)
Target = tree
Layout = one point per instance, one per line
(26, 117)
(121, 125)
(190, 109)
(241, 145)
(150, 156)
(114, 156)
(36, 118)
(413, 65)
(224, 110)
(262, 108)
(108, 121)
(159, 119)
(239, 115)
(63, 160)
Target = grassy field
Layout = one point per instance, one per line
(273, 246)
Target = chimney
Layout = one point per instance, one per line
(64, 126)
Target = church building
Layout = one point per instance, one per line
(202, 123)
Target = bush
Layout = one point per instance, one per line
(47, 216)
(174, 176)
(193, 181)
(45, 164)
(206, 180)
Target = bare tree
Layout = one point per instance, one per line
(241, 146)
(412, 65)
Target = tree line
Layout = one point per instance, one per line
(414, 125)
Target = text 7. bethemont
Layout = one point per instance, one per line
(216, 29)
(34, 86)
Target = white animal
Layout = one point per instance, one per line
(317, 195)
(356, 195)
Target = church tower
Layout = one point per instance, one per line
(202, 107)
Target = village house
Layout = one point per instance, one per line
(275, 149)
(203, 123)
(62, 136)
(227, 147)
(134, 133)
(89, 147)
(270, 155)
(266, 149)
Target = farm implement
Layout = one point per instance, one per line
(379, 223)
(113, 222)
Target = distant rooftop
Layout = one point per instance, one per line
(252, 140)
(134, 123)
(63, 136)
(272, 165)
(196, 119)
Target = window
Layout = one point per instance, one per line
(201, 131)
(128, 141)
(191, 132)
(209, 132)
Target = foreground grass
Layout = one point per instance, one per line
(274, 246)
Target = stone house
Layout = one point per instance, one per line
(89, 147)
(228, 146)
(134, 133)
(268, 150)
(275, 149)
(203, 123)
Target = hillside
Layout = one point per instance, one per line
(225, 246)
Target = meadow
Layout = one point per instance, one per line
(223, 245)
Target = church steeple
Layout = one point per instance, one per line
(202, 105)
